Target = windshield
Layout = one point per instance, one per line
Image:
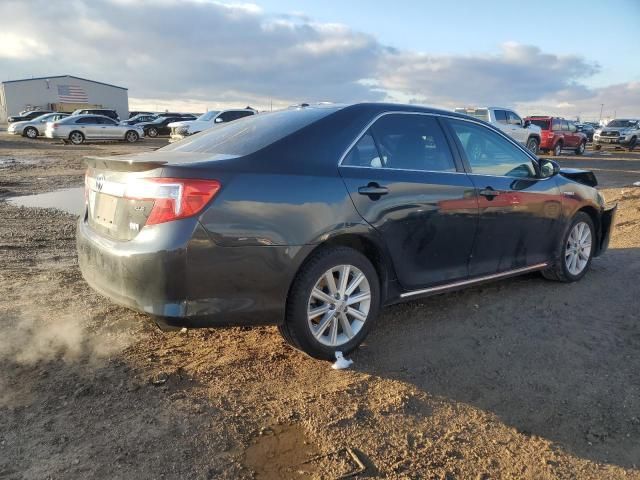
(250, 134)
(43, 117)
(480, 113)
(206, 117)
(622, 123)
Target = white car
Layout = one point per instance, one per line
(510, 123)
(78, 128)
(180, 130)
(36, 127)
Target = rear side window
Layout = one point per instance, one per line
(557, 125)
(405, 142)
(250, 135)
(543, 124)
(86, 120)
(488, 153)
(501, 116)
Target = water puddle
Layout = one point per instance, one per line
(284, 452)
(70, 200)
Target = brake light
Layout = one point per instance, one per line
(174, 198)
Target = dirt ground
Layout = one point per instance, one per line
(523, 379)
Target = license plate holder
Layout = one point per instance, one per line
(104, 211)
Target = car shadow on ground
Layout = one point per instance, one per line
(559, 361)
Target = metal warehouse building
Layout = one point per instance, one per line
(64, 93)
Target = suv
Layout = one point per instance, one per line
(182, 129)
(619, 132)
(559, 134)
(510, 123)
(98, 111)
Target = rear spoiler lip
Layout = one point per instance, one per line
(123, 163)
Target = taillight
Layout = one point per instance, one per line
(174, 198)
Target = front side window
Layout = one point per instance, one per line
(405, 142)
(513, 119)
(557, 125)
(488, 153)
(501, 116)
(572, 127)
(565, 126)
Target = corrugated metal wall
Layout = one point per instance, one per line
(43, 93)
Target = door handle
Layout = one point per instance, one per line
(373, 189)
(489, 192)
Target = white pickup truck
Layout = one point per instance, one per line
(180, 130)
(510, 123)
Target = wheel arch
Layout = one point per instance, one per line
(372, 249)
(595, 218)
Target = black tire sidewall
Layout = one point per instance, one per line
(579, 217)
(533, 141)
(301, 291)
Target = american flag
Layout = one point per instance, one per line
(72, 94)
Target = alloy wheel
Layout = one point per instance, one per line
(132, 137)
(339, 305)
(582, 147)
(31, 133)
(557, 150)
(76, 138)
(578, 248)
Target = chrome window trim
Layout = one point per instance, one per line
(430, 114)
(470, 281)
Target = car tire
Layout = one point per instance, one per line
(325, 333)
(152, 132)
(533, 145)
(581, 148)
(544, 151)
(76, 137)
(597, 147)
(580, 233)
(557, 149)
(30, 132)
(632, 144)
(131, 136)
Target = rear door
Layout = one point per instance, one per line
(520, 213)
(572, 135)
(405, 181)
(89, 127)
(109, 129)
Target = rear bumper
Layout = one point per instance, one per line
(176, 273)
(607, 219)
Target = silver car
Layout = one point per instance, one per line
(35, 127)
(78, 128)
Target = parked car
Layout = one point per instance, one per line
(35, 127)
(314, 218)
(510, 123)
(105, 112)
(25, 116)
(135, 113)
(140, 118)
(558, 134)
(78, 128)
(182, 129)
(620, 132)
(587, 129)
(160, 125)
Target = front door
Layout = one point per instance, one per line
(403, 180)
(520, 213)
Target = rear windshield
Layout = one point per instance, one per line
(250, 134)
(481, 113)
(543, 124)
(622, 123)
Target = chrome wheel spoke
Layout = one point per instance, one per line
(320, 295)
(326, 321)
(333, 334)
(357, 314)
(354, 283)
(344, 278)
(346, 326)
(318, 311)
(360, 297)
(331, 282)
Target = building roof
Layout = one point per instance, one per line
(64, 76)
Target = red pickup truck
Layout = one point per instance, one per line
(559, 134)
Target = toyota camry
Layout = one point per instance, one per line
(314, 218)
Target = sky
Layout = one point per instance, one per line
(539, 57)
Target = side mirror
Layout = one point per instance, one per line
(526, 123)
(548, 168)
(218, 120)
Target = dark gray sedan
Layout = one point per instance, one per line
(314, 218)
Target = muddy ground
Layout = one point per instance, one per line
(523, 378)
